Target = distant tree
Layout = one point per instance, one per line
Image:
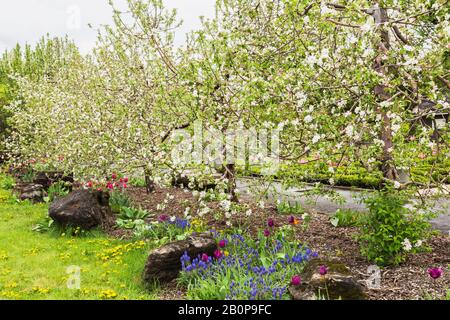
(39, 62)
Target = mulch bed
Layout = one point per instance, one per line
(183, 198)
(407, 281)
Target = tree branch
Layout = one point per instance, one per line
(399, 35)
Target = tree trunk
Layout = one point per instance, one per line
(387, 160)
(388, 166)
(230, 175)
(149, 183)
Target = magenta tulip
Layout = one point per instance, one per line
(296, 280)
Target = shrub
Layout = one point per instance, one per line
(391, 230)
(4, 196)
(243, 268)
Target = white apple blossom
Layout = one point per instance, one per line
(406, 245)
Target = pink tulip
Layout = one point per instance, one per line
(217, 254)
(296, 280)
(222, 243)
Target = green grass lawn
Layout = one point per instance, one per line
(34, 265)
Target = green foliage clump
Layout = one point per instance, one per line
(6, 182)
(133, 214)
(28, 176)
(391, 230)
(434, 172)
(287, 208)
(57, 190)
(132, 218)
(119, 200)
(350, 175)
(346, 218)
(45, 225)
(137, 182)
(165, 231)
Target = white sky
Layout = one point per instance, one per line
(26, 21)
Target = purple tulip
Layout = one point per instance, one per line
(205, 257)
(435, 272)
(270, 223)
(323, 270)
(163, 218)
(266, 233)
(222, 243)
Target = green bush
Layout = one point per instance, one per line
(391, 230)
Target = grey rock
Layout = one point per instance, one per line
(338, 283)
(30, 191)
(47, 178)
(164, 265)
